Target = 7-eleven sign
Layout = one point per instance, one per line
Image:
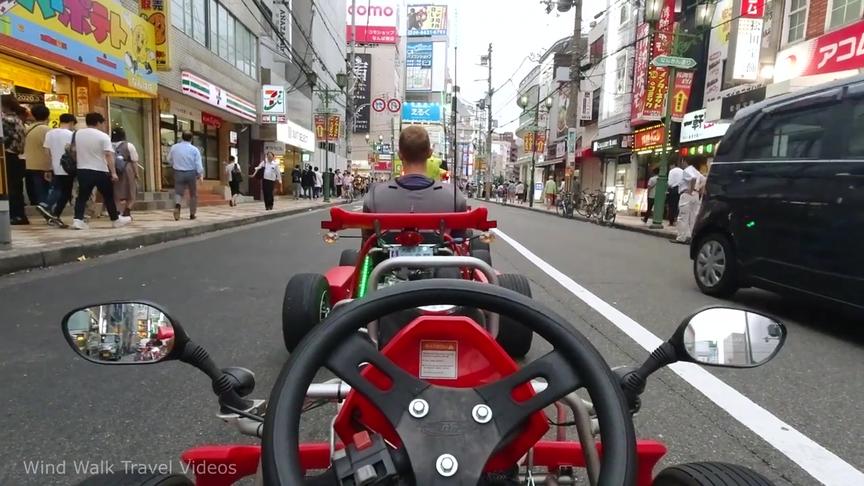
(681, 94)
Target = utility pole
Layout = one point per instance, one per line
(575, 81)
(455, 171)
(349, 92)
(489, 124)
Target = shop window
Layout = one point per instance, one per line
(844, 12)
(621, 73)
(199, 21)
(596, 50)
(796, 20)
(791, 135)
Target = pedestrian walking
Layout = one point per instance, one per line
(688, 206)
(297, 181)
(308, 181)
(520, 192)
(56, 141)
(337, 183)
(330, 190)
(94, 157)
(185, 158)
(318, 183)
(37, 162)
(126, 163)
(549, 191)
(672, 194)
(235, 177)
(271, 177)
(13, 142)
(348, 186)
(652, 189)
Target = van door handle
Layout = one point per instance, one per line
(743, 173)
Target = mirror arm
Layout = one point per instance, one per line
(633, 380)
(223, 383)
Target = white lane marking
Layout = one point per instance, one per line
(818, 461)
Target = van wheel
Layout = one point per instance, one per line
(349, 258)
(710, 474)
(305, 305)
(514, 336)
(129, 479)
(715, 267)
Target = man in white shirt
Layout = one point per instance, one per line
(95, 160)
(672, 196)
(56, 141)
(652, 192)
(688, 189)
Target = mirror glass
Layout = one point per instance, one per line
(732, 337)
(120, 333)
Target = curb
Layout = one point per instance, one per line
(57, 256)
(576, 217)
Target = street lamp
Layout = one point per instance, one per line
(326, 94)
(522, 102)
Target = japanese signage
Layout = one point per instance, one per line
(648, 138)
(327, 127)
(98, 38)
(156, 12)
(374, 21)
(362, 95)
(541, 142)
(427, 20)
(840, 50)
(528, 142)
(418, 66)
(295, 135)
(586, 105)
(748, 41)
(209, 120)
(694, 127)
(273, 99)
(211, 94)
(681, 94)
(640, 71)
(414, 112)
(731, 104)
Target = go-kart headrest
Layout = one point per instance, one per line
(477, 218)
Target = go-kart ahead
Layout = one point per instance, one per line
(398, 248)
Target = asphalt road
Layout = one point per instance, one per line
(226, 289)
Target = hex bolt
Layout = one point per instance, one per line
(481, 413)
(446, 465)
(418, 408)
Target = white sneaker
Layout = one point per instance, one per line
(122, 221)
(79, 225)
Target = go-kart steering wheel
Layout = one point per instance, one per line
(336, 345)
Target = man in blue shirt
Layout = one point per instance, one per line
(185, 158)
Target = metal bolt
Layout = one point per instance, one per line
(482, 413)
(418, 408)
(446, 465)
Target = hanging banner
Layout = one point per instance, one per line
(427, 20)
(657, 83)
(327, 127)
(362, 94)
(681, 94)
(586, 105)
(97, 38)
(156, 12)
(748, 41)
(640, 71)
(528, 142)
(282, 21)
(418, 66)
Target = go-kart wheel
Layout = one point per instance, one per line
(514, 336)
(482, 255)
(349, 258)
(133, 479)
(305, 305)
(469, 442)
(476, 245)
(710, 474)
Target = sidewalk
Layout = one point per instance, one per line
(624, 222)
(39, 245)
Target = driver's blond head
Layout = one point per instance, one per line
(414, 145)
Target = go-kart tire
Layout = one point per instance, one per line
(477, 245)
(131, 479)
(514, 336)
(349, 258)
(483, 255)
(710, 474)
(305, 305)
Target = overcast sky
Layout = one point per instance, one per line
(516, 29)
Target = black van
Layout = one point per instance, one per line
(784, 208)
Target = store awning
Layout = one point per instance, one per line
(120, 91)
(26, 77)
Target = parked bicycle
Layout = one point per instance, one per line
(566, 205)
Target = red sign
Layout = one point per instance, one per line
(752, 9)
(649, 137)
(372, 35)
(541, 142)
(326, 130)
(832, 52)
(651, 102)
(681, 94)
(381, 166)
(528, 140)
(394, 105)
(640, 71)
(211, 120)
(378, 104)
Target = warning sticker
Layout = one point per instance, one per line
(438, 359)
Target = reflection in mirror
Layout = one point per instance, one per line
(732, 337)
(121, 333)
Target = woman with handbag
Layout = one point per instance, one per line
(235, 177)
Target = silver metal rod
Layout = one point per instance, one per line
(340, 390)
(586, 437)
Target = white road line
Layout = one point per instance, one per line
(818, 461)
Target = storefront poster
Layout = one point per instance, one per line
(418, 66)
(362, 91)
(201, 89)
(427, 20)
(99, 38)
(840, 50)
(694, 127)
(156, 12)
(648, 138)
(681, 94)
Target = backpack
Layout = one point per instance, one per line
(236, 173)
(69, 159)
(121, 156)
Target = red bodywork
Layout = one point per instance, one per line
(479, 360)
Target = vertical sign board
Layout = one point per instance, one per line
(418, 66)
(427, 20)
(681, 94)
(748, 41)
(156, 12)
(640, 71)
(362, 91)
(282, 19)
(718, 49)
(586, 102)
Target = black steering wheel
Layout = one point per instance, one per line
(467, 445)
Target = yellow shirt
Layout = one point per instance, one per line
(34, 150)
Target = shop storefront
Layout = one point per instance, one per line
(648, 152)
(299, 144)
(609, 168)
(700, 137)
